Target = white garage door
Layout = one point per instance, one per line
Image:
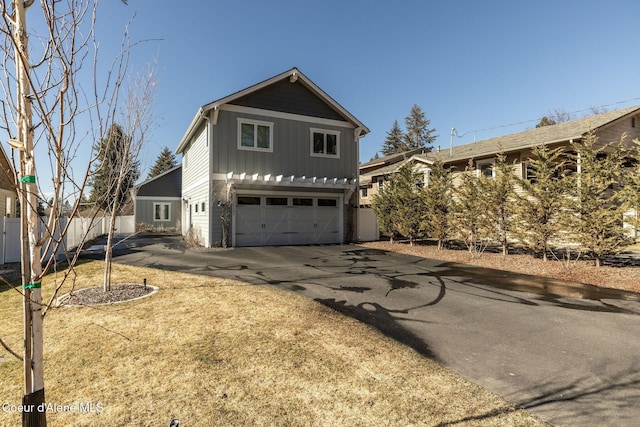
(280, 220)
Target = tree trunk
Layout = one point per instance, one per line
(34, 360)
(108, 250)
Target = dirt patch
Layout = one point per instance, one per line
(96, 295)
(619, 273)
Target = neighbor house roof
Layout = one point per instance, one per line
(294, 75)
(381, 162)
(567, 131)
(366, 177)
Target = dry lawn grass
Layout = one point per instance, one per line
(219, 352)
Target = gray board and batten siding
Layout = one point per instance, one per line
(160, 193)
(292, 168)
(291, 154)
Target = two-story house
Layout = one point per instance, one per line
(273, 164)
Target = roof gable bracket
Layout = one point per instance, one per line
(216, 111)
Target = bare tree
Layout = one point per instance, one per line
(42, 103)
(137, 121)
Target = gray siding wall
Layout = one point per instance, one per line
(145, 215)
(289, 98)
(291, 149)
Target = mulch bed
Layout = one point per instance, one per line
(97, 295)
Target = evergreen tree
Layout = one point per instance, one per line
(383, 205)
(408, 215)
(631, 189)
(540, 206)
(598, 209)
(499, 195)
(110, 162)
(418, 134)
(399, 205)
(546, 121)
(165, 161)
(394, 142)
(438, 203)
(469, 212)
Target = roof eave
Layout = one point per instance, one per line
(294, 75)
(190, 130)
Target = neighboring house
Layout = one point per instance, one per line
(158, 202)
(374, 173)
(8, 194)
(273, 164)
(517, 147)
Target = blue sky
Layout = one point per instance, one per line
(494, 67)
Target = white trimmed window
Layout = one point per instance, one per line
(325, 143)
(485, 168)
(161, 211)
(255, 135)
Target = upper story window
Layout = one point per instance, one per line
(364, 192)
(325, 143)
(255, 135)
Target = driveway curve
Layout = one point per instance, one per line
(566, 352)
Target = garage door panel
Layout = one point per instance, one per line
(292, 220)
(249, 230)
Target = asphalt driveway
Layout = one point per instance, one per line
(567, 353)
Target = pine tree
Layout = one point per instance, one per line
(110, 162)
(631, 188)
(383, 205)
(598, 209)
(499, 195)
(409, 211)
(399, 205)
(540, 206)
(165, 161)
(394, 142)
(438, 203)
(418, 134)
(469, 212)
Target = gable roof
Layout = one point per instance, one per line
(167, 185)
(293, 75)
(381, 162)
(367, 177)
(567, 131)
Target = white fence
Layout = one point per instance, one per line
(367, 225)
(79, 229)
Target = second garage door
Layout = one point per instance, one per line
(279, 220)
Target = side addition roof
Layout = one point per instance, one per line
(167, 184)
(293, 75)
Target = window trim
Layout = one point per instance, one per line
(484, 162)
(162, 204)
(255, 124)
(325, 132)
